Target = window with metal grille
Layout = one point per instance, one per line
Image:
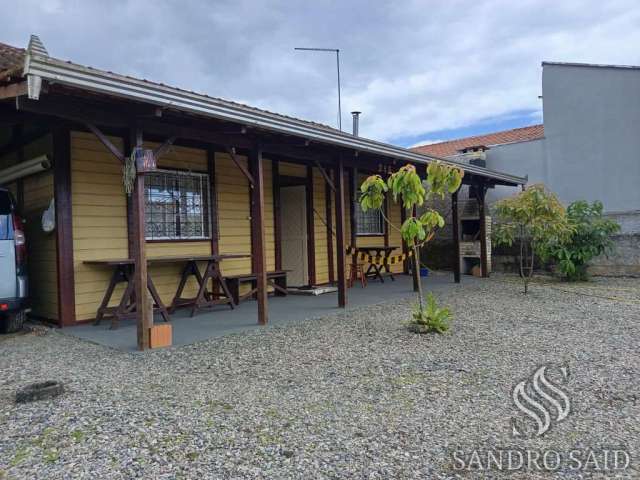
(369, 222)
(177, 205)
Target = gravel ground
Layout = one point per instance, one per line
(350, 396)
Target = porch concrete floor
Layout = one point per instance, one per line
(221, 320)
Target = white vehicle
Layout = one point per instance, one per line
(13, 267)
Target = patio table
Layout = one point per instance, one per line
(123, 272)
(380, 251)
(123, 269)
(204, 298)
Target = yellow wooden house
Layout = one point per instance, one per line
(229, 179)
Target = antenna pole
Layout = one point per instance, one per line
(337, 52)
(339, 106)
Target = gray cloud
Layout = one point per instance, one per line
(412, 67)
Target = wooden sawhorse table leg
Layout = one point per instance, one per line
(127, 306)
(204, 298)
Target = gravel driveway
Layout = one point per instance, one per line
(351, 396)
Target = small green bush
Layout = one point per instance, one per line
(535, 219)
(431, 318)
(591, 237)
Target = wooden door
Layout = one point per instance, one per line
(293, 209)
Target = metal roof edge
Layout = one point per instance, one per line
(594, 65)
(71, 74)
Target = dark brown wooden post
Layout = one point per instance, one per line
(484, 267)
(144, 309)
(455, 224)
(17, 134)
(257, 232)
(213, 202)
(311, 237)
(353, 191)
(131, 228)
(277, 218)
(340, 244)
(64, 227)
(385, 207)
(328, 215)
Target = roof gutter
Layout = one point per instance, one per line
(67, 73)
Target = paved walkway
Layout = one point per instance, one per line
(221, 320)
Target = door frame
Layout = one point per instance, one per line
(307, 182)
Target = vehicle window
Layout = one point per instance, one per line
(5, 202)
(5, 216)
(5, 226)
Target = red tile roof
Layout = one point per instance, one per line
(11, 59)
(451, 147)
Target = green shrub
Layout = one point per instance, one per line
(535, 219)
(591, 237)
(430, 318)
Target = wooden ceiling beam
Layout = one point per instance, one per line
(17, 143)
(13, 90)
(232, 153)
(106, 142)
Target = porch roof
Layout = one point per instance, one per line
(37, 63)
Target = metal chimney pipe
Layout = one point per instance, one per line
(356, 121)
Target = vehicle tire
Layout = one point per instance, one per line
(13, 321)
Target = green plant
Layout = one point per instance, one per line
(535, 219)
(591, 237)
(431, 318)
(406, 187)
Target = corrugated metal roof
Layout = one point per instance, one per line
(100, 81)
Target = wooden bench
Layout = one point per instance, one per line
(277, 280)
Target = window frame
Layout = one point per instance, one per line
(357, 210)
(206, 214)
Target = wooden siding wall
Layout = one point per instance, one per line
(234, 216)
(99, 224)
(320, 227)
(100, 219)
(41, 255)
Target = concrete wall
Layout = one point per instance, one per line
(624, 260)
(523, 158)
(591, 119)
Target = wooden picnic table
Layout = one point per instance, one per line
(204, 297)
(375, 271)
(123, 271)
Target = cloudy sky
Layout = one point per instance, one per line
(420, 71)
